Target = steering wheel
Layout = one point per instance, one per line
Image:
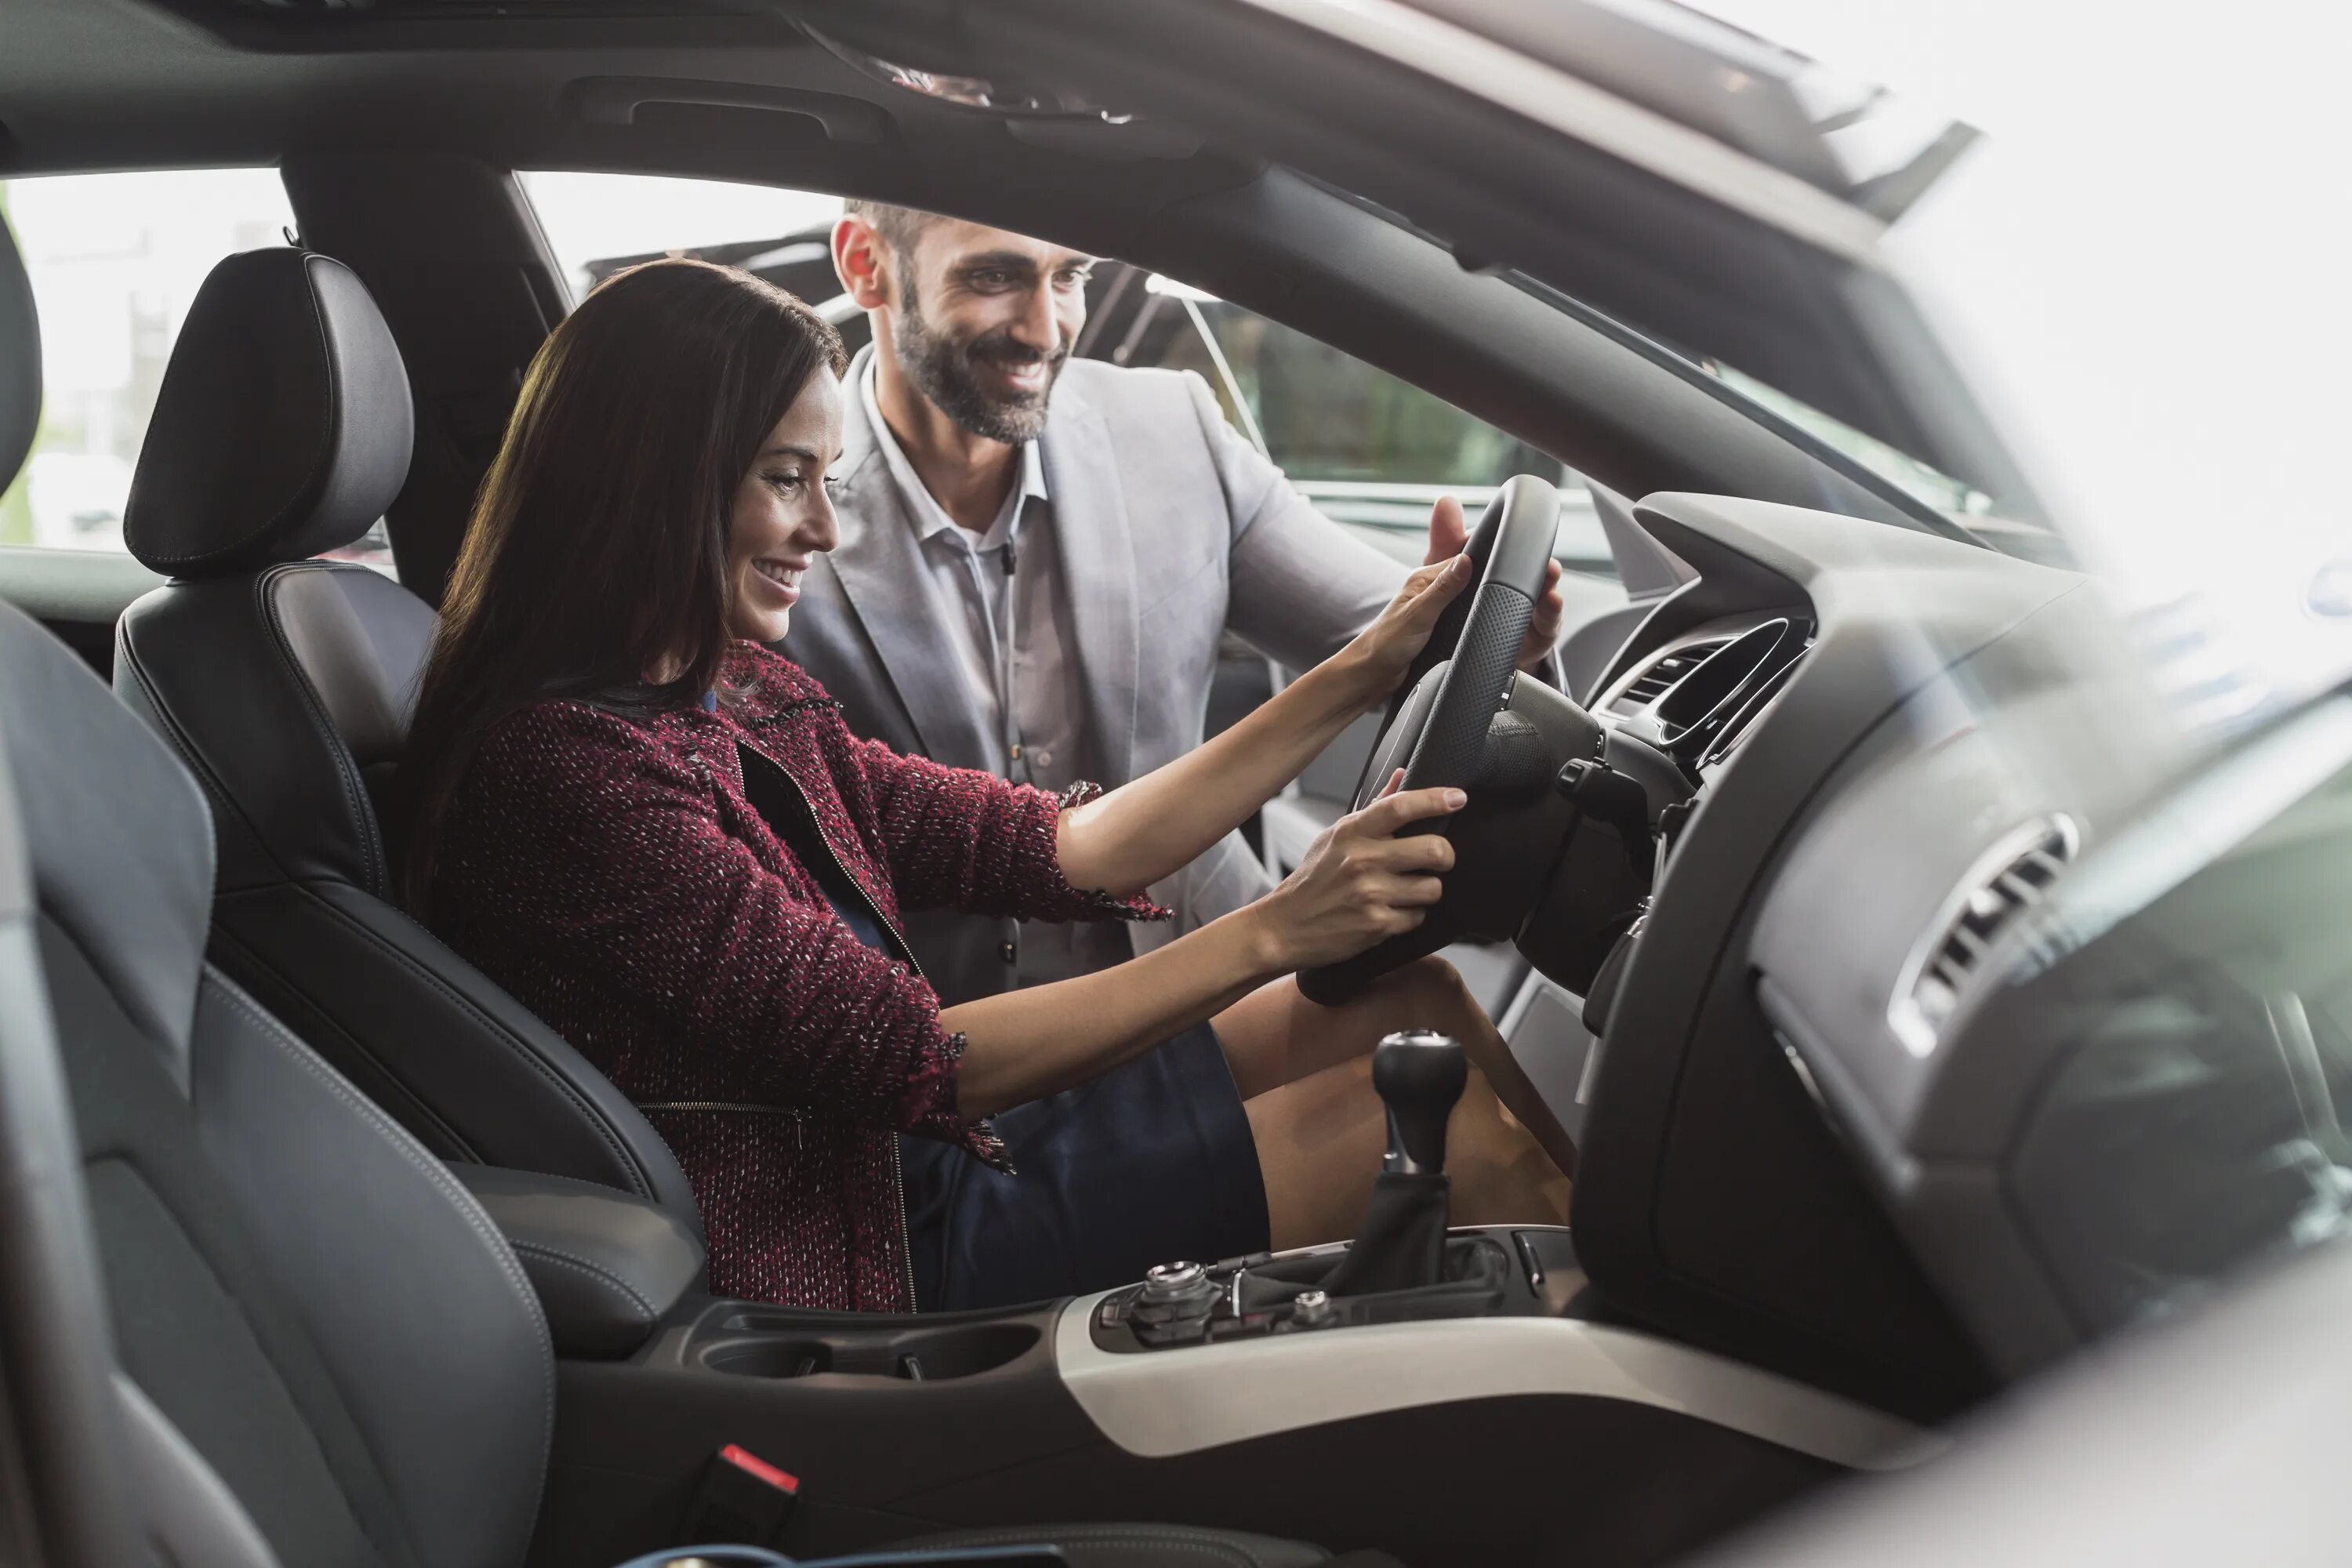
(1437, 726)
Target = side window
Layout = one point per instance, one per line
(115, 260)
(598, 223)
(1371, 450)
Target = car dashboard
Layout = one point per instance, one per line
(1912, 1082)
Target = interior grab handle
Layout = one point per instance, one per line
(615, 100)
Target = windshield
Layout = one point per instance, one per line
(1899, 468)
(2140, 266)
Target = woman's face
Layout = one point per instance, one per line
(783, 516)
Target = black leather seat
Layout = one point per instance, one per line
(324, 1354)
(282, 430)
(323, 1340)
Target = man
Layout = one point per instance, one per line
(1039, 557)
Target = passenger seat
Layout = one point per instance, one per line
(286, 684)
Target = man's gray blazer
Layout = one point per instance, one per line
(1172, 529)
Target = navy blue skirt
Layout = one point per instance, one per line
(1149, 1163)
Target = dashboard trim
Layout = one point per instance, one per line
(1204, 1396)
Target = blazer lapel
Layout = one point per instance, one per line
(1092, 536)
(887, 585)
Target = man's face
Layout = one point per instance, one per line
(983, 319)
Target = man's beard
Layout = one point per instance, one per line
(945, 370)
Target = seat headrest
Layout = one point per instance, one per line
(20, 359)
(119, 834)
(283, 426)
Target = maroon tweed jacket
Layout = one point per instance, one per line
(610, 873)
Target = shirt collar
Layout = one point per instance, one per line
(930, 517)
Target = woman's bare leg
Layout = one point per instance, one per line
(1319, 1143)
(1305, 1075)
(1275, 1036)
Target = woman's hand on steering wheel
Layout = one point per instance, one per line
(1383, 651)
(1360, 882)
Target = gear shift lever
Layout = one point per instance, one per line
(1401, 1245)
(1420, 1074)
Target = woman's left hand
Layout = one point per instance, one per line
(1152, 826)
(1449, 532)
(1385, 650)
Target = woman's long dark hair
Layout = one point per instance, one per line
(597, 551)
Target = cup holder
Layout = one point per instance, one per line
(770, 1358)
(913, 1355)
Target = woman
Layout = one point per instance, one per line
(664, 840)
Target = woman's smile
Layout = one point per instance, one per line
(781, 578)
(783, 516)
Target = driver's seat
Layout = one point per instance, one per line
(303, 1343)
(285, 683)
(324, 1345)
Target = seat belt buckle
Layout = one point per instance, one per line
(741, 1497)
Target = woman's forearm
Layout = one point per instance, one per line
(1025, 1044)
(1124, 841)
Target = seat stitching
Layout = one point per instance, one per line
(306, 1431)
(437, 1174)
(355, 800)
(547, 1253)
(127, 656)
(507, 1038)
(241, 962)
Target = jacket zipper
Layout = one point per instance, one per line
(907, 952)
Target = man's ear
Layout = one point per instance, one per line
(861, 259)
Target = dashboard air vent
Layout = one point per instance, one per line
(2012, 878)
(1751, 707)
(1660, 677)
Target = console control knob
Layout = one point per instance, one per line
(1313, 1310)
(1174, 1305)
(1173, 1281)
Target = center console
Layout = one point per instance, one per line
(1405, 1265)
(1488, 1272)
(1455, 1396)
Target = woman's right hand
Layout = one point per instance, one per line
(1360, 883)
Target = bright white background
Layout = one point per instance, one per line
(2147, 269)
(115, 261)
(589, 217)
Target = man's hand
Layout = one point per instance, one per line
(1449, 532)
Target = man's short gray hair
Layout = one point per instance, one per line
(900, 227)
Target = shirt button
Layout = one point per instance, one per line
(1042, 759)
(1007, 953)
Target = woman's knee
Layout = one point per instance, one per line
(1433, 994)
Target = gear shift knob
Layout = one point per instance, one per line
(1420, 1074)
